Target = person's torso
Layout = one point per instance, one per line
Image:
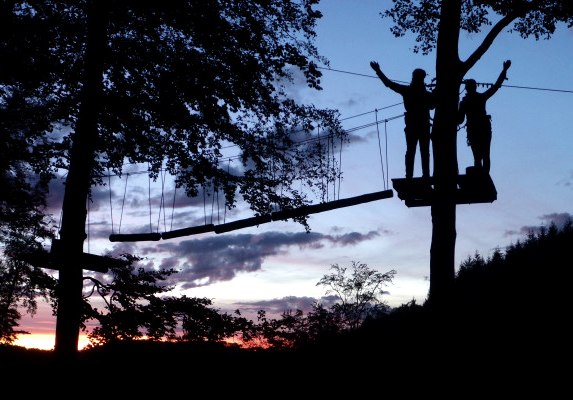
(417, 101)
(474, 106)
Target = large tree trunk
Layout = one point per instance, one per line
(444, 145)
(78, 182)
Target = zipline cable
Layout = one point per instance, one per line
(481, 84)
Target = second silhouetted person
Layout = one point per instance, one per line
(478, 121)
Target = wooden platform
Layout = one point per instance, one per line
(474, 187)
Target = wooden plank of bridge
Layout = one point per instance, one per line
(193, 230)
(242, 223)
(134, 237)
(331, 205)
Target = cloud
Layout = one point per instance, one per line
(277, 307)
(559, 219)
(568, 181)
(221, 258)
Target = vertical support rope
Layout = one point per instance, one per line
(110, 203)
(123, 203)
(213, 203)
(225, 203)
(173, 204)
(380, 150)
(149, 198)
(340, 168)
(88, 222)
(331, 147)
(162, 202)
(386, 149)
(216, 194)
(320, 162)
(204, 204)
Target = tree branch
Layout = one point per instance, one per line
(487, 42)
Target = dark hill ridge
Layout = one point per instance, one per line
(507, 331)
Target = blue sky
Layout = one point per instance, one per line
(277, 265)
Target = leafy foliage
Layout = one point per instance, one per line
(26, 102)
(359, 291)
(537, 18)
(135, 308)
(183, 82)
(21, 284)
(130, 302)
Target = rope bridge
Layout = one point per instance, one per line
(254, 221)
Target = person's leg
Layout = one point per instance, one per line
(476, 154)
(486, 155)
(473, 141)
(425, 154)
(411, 143)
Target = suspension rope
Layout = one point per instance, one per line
(149, 198)
(162, 202)
(213, 204)
(173, 204)
(225, 209)
(386, 147)
(320, 163)
(123, 203)
(218, 207)
(88, 222)
(340, 168)
(204, 203)
(331, 140)
(110, 203)
(380, 151)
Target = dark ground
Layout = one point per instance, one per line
(409, 359)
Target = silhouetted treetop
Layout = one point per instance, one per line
(185, 85)
(537, 18)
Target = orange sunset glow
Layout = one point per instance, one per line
(44, 341)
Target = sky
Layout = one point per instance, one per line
(276, 266)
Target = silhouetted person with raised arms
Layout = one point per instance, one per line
(418, 102)
(478, 121)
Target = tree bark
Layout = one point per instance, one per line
(444, 147)
(78, 183)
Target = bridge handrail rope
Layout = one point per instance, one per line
(133, 237)
(384, 179)
(122, 203)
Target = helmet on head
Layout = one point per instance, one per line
(418, 73)
(470, 84)
(418, 76)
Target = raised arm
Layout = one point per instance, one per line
(502, 76)
(387, 82)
